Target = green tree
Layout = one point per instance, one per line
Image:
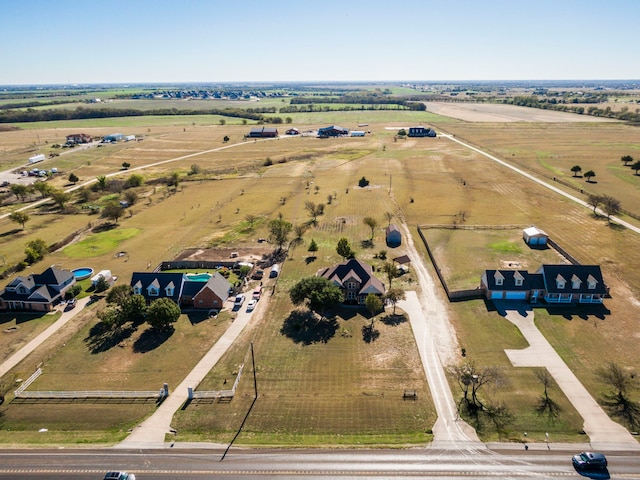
(589, 175)
(131, 197)
(251, 219)
(162, 314)
(225, 139)
(118, 294)
(19, 217)
(344, 249)
(125, 165)
(102, 285)
(244, 271)
(134, 180)
(73, 178)
(390, 269)
(113, 211)
(36, 250)
(59, 197)
(314, 210)
(174, 180)
(363, 182)
(111, 318)
(393, 296)
(279, 230)
(635, 167)
(134, 308)
(374, 305)
(372, 223)
(43, 188)
(576, 169)
(313, 246)
(102, 182)
(195, 169)
(627, 159)
(19, 190)
(318, 293)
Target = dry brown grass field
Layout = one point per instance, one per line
(337, 388)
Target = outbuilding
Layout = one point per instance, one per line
(534, 236)
(393, 236)
(263, 132)
(332, 131)
(275, 271)
(106, 274)
(37, 158)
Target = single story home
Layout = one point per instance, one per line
(332, 131)
(75, 138)
(355, 279)
(37, 292)
(534, 236)
(393, 236)
(421, 132)
(262, 132)
(555, 284)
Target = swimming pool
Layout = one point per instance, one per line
(82, 273)
(199, 277)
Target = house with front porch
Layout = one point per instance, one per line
(553, 284)
(355, 279)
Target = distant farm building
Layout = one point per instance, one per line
(113, 138)
(332, 131)
(263, 132)
(76, 138)
(37, 158)
(421, 132)
(393, 236)
(534, 236)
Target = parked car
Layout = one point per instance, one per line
(237, 303)
(251, 305)
(257, 292)
(119, 476)
(71, 304)
(589, 461)
(258, 274)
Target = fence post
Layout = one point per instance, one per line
(190, 393)
(165, 389)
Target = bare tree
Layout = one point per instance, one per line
(611, 206)
(546, 403)
(594, 201)
(372, 223)
(389, 216)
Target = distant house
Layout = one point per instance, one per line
(421, 132)
(37, 292)
(332, 131)
(355, 279)
(393, 236)
(154, 285)
(534, 236)
(555, 284)
(262, 132)
(76, 138)
(206, 295)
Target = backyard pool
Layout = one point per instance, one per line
(82, 273)
(199, 277)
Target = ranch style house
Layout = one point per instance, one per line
(553, 284)
(39, 292)
(355, 279)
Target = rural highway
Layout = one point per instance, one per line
(289, 464)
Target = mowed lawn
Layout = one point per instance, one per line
(339, 388)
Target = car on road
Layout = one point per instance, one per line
(589, 461)
(119, 476)
(251, 305)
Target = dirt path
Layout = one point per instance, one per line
(438, 346)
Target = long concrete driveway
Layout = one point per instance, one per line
(21, 354)
(603, 432)
(436, 341)
(151, 432)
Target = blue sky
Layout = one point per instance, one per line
(129, 41)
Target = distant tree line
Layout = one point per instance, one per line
(32, 115)
(363, 100)
(552, 104)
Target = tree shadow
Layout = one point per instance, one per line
(198, 316)
(10, 232)
(310, 259)
(104, 227)
(366, 243)
(370, 334)
(394, 319)
(101, 338)
(304, 326)
(151, 339)
(546, 404)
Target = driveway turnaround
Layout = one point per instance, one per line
(603, 432)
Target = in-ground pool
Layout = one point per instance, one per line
(199, 277)
(82, 273)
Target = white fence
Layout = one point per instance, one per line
(193, 394)
(28, 382)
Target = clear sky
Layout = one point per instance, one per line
(131, 41)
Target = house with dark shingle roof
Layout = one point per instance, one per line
(154, 285)
(37, 292)
(210, 295)
(355, 279)
(333, 131)
(555, 284)
(263, 132)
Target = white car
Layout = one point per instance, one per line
(251, 305)
(119, 476)
(237, 303)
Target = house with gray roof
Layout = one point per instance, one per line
(38, 292)
(355, 279)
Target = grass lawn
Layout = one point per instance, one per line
(100, 243)
(18, 329)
